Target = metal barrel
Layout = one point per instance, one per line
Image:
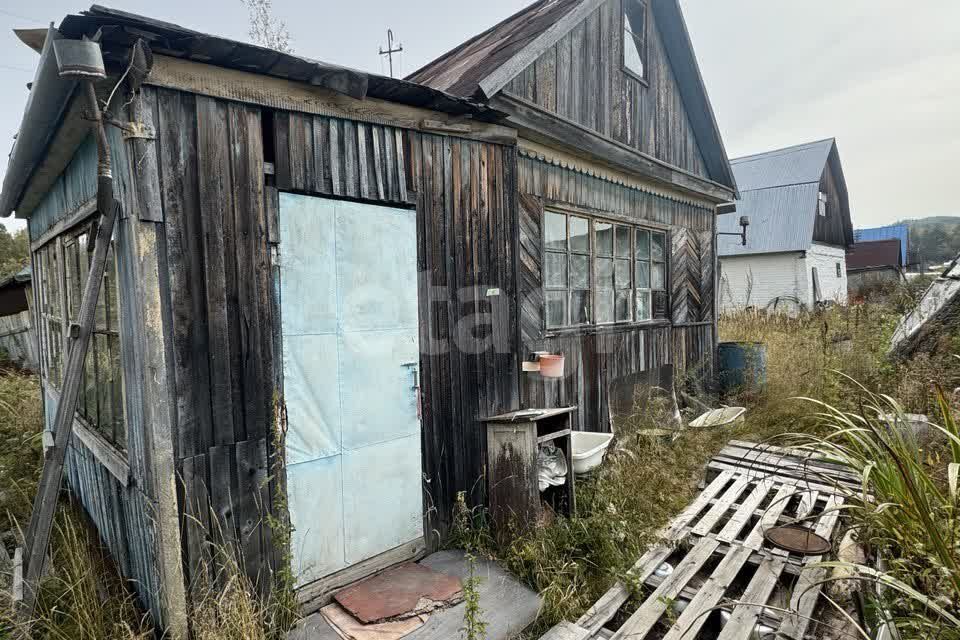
(742, 365)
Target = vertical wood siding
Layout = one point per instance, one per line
(581, 78)
(835, 227)
(218, 267)
(598, 356)
(124, 517)
(463, 192)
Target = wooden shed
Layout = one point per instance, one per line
(322, 280)
(18, 341)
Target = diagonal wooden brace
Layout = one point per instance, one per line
(45, 503)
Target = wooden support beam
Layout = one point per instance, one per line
(45, 503)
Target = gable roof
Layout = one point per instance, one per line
(778, 191)
(479, 68)
(467, 69)
(875, 254)
(800, 164)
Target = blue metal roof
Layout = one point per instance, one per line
(890, 232)
(778, 191)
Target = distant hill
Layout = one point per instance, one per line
(925, 222)
(933, 240)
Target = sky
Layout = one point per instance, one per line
(881, 76)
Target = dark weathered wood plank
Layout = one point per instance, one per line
(215, 206)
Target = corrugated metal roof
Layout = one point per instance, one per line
(894, 231)
(875, 253)
(793, 165)
(781, 220)
(778, 191)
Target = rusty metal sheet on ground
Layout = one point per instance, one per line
(406, 590)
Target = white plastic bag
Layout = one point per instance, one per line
(551, 467)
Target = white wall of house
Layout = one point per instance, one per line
(764, 281)
(831, 265)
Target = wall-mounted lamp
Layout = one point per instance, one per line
(731, 207)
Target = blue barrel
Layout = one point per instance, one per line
(743, 366)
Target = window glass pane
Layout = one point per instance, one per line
(604, 305)
(555, 270)
(556, 302)
(113, 311)
(643, 305)
(622, 275)
(579, 307)
(579, 272)
(632, 53)
(604, 273)
(657, 276)
(657, 248)
(555, 231)
(604, 239)
(579, 235)
(643, 244)
(634, 15)
(624, 305)
(103, 385)
(116, 392)
(623, 242)
(643, 275)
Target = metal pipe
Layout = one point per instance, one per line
(104, 171)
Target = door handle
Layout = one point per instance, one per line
(415, 370)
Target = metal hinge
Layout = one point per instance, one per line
(134, 130)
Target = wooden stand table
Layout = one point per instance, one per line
(513, 441)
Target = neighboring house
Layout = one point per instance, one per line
(18, 341)
(799, 233)
(899, 232)
(264, 345)
(872, 263)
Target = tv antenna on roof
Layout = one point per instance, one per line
(390, 50)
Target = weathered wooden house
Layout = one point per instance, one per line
(800, 229)
(323, 279)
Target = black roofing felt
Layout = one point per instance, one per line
(121, 29)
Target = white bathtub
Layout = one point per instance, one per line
(588, 450)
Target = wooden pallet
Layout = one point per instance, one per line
(720, 557)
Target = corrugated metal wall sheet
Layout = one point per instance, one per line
(890, 232)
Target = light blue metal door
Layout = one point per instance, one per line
(348, 301)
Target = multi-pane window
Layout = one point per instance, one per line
(64, 264)
(822, 204)
(600, 272)
(51, 330)
(635, 37)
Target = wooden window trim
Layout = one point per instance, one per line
(615, 222)
(645, 54)
(107, 454)
(59, 245)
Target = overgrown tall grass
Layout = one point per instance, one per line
(82, 596)
(908, 511)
